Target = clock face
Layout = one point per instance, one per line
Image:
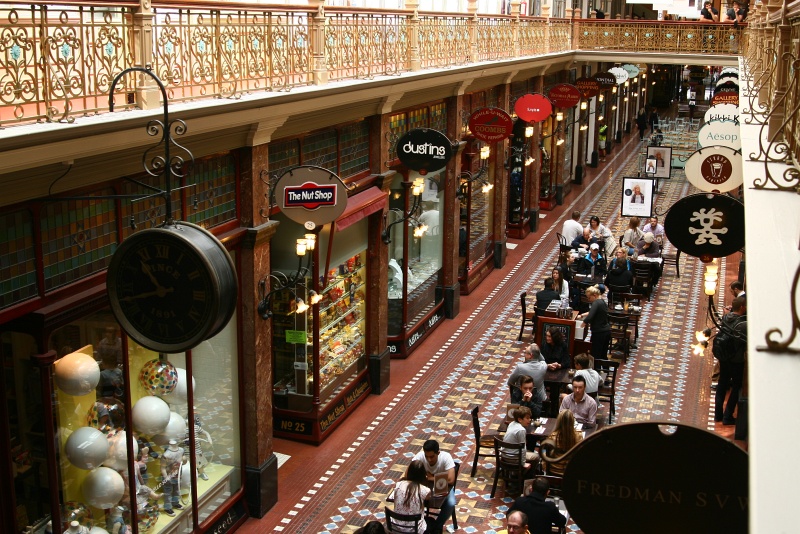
(164, 288)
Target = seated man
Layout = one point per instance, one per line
(582, 406)
(527, 381)
(584, 369)
(648, 246)
(436, 461)
(516, 523)
(572, 228)
(542, 514)
(584, 240)
(593, 263)
(546, 296)
(653, 227)
(515, 434)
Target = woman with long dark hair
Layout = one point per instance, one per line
(411, 492)
(564, 437)
(555, 349)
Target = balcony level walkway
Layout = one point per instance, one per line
(342, 484)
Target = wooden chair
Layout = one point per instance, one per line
(581, 287)
(401, 523)
(481, 442)
(674, 260)
(615, 291)
(643, 278)
(620, 338)
(528, 317)
(507, 464)
(608, 389)
(564, 248)
(434, 504)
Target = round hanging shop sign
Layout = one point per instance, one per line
(715, 169)
(588, 87)
(706, 225)
(724, 133)
(722, 112)
(490, 124)
(311, 196)
(632, 70)
(712, 496)
(606, 80)
(725, 97)
(620, 75)
(564, 95)
(533, 108)
(424, 150)
(727, 79)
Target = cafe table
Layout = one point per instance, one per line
(538, 433)
(633, 313)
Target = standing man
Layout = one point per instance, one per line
(737, 288)
(735, 13)
(435, 462)
(527, 381)
(731, 355)
(582, 406)
(572, 228)
(542, 514)
(709, 13)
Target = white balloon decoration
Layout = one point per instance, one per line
(179, 395)
(98, 530)
(176, 429)
(150, 415)
(103, 487)
(77, 374)
(86, 448)
(118, 451)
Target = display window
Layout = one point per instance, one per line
(138, 446)
(414, 224)
(475, 247)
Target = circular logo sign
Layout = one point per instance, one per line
(607, 80)
(715, 168)
(490, 124)
(729, 70)
(632, 70)
(722, 112)
(311, 196)
(727, 79)
(706, 225)
(620, 75)
(724, 133)
(564, 95)
(588, 87)
(424, 150)
(533, 108)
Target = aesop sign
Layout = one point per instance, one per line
(424, 150)
(635, 478)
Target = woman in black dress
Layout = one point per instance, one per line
(597, 319)
(555, 350)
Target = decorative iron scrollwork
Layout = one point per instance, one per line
(774, 345)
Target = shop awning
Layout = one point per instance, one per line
(361, 205)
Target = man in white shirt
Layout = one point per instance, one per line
(436, 461)
(572, 228)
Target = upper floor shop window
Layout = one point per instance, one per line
(431, 116)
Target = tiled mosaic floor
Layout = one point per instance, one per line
(661, 381)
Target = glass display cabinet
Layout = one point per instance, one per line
(518, 166)
(414, 238)
(475, 248)
(318, 334)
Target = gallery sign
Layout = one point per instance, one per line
(715, 169)
(564, 95)
(632, 70)
(720, 133)
(722, 112)
(606, 80)
(310, 195)
(711, 496)
(490, 124)
(724, 97)
(424, 150)
(588, 87)
(706, 225)
(533, 108)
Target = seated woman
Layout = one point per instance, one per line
(561, 285)
(620, 272)
(632, 236)
(515, 434)
(593, 263)
(563, 438)
(411, 492)
(555, 350)
(602, 234)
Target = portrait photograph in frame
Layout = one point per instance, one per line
(663, 157)
(637, 196)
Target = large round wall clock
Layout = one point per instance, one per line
(172, 287)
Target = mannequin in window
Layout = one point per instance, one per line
(115, 523)
(143, 491)
(199, 457)
(171, 461)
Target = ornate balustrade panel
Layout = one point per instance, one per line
(363, 45)
(560, 35)
(443, 41)
(495, 38)
(58, 61)
(532, 37)
(793, 101)
(687, 37)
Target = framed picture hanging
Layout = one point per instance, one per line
(663, 157)
(637, 196)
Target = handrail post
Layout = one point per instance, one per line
(318, 24)
(146, 91)
(414, 58)
(576, 29)
(472, 9)
(515, 26)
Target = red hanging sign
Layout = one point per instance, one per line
(490, 124)
(533, 108)
(564, 95)
(588, 87)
